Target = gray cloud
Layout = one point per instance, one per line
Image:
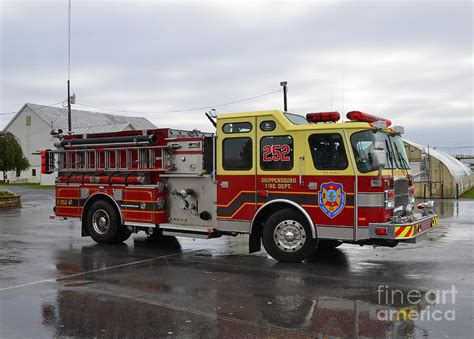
(409, 61)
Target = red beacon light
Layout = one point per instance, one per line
(364, 117)
(323, 117)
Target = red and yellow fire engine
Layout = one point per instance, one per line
(291, 182)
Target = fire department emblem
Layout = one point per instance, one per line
(332, 199)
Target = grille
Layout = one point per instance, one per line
(401, 191)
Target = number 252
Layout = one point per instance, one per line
(276, 153)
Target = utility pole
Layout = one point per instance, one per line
(69, 122)
(285, 90)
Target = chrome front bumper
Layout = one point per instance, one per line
(406, 232)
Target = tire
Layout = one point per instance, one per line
(287, 236)
(103, 223)
(324, 244)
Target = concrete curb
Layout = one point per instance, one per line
(10, 202)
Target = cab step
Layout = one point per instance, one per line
(189, 231)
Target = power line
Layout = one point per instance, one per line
(181, 110)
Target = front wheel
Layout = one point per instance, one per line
(287, 236)
(103, 223)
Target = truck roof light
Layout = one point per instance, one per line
(364, 117)
(398, 129)
(323, 117)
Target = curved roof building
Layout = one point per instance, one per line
(439, 174)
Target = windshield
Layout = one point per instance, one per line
(400, 155)
(363, 144)
(296, 119)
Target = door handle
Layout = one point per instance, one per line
(224, 184)
(300, 170)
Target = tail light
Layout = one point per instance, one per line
(389, 199)
(46, 162)
(411, 195)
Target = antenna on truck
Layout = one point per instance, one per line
(210, 115)
(285, 90)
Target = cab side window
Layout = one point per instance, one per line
(237, 127)
(276, 153)
(237, 154)
(328, 152)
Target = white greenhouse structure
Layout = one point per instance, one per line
(437, 174)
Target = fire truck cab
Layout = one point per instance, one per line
(289, 182)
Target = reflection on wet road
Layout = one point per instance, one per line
(55, 283)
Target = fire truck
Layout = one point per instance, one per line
(290, 182)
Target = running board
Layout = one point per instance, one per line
(189, 231)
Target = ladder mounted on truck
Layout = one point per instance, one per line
(125, 153)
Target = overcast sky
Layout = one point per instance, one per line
(410, 61)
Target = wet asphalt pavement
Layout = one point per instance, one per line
(55, 283)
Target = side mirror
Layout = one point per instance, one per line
(379, 155)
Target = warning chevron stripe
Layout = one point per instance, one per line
(404, 232)
(399, 230)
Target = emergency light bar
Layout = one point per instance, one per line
(398, 129)
(364, 117)
(323, 117)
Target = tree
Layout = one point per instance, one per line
(11, 155)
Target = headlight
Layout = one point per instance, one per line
(389, 199)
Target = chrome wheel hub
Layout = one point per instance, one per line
(289, 235)
(101, 221)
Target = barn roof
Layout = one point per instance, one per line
(83, 120)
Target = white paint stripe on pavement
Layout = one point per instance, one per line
(91, 271)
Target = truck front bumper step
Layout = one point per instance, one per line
(407, 232)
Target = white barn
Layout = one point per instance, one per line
(33, 123)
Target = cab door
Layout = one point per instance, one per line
(236, 170)
(331, 178)
(280, 169)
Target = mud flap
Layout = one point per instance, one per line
(255, 243)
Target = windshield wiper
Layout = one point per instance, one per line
(389, 154)
(401, 159)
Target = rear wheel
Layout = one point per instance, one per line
(324, 244)
(287, 236)
(103, 223)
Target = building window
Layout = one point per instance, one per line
(28, 120)
(33, 172)
(18, 173)
(237, 154)
(327, 151)
(276, 153)
(237, 127)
